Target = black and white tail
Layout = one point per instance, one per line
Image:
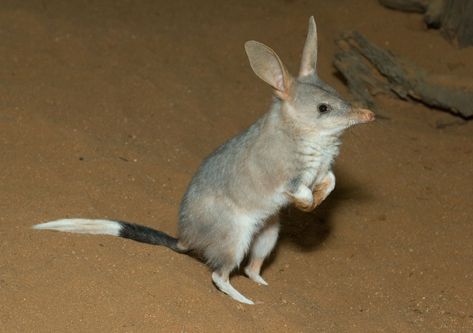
(135, 232)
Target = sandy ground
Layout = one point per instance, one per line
(108, 107)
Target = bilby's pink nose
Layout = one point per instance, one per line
(369, 115)
(364, 115)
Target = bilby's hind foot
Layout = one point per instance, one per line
(262, 246)
(255, 276)
(223, 284)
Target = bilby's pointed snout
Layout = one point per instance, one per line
(363, 115)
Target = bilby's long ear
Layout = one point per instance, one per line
(309, 55)
(267, 65)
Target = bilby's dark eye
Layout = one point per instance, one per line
(323, 107)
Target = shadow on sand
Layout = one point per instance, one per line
(307, 231)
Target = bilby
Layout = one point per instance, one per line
(284, 158)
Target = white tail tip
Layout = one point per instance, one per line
(82, 226)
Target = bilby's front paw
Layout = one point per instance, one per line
(302, 198)
(319, 194)
(321, 191)
(304, 206)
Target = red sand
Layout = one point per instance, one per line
(107, 109)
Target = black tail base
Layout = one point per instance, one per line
(147, 235)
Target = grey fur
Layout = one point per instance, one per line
(266, 167)
(284, 158)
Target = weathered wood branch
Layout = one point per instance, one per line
(454, 17)
(417, 6)
(457, 21)
(370, 70)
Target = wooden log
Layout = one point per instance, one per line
(434, 13)
(417, 6)
(457, 21)
(362, 79)
(370, 69)
(453, 17)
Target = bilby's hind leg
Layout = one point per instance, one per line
(262, 246)
(227, 255)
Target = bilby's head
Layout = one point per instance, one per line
(309, 102)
